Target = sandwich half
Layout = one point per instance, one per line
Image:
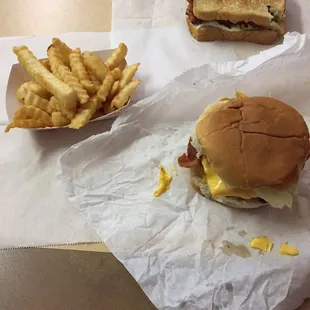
(257, 21)
(247, 152)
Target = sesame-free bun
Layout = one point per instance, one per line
(197, 174)
(254, 142)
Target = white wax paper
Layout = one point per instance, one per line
(165, 53)
(165, 242)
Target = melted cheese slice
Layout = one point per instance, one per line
(218, 187)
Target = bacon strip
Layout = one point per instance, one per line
(190, 159)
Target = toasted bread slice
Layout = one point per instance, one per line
(204, 32)
(260, 12)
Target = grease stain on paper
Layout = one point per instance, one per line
(230, 249)
(242, 233)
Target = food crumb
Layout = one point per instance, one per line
(286, 249)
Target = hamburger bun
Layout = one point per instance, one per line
(254, 142)
(197, 174)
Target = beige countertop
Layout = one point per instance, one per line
(37, 17)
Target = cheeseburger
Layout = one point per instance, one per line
(247, 152)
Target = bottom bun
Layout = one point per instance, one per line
(207, 33)
(203, 189)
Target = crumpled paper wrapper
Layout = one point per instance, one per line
(173, 245)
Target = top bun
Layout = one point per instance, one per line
(254, 142)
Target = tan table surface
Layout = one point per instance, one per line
(38, 17)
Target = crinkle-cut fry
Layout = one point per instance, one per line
(46, 79)
(106, 87)
(77, 65)
(93, 103)
(26, 123)
(56, 107)
(90, 87)
(32, 99)
(83, 116)
(96, 65)
(59, 120)
(27, 111)
(45, 63)
(54, 104)
(107, 108)
(39, 90)
(117, 57)
(64, 73)
(94, 80)
(123, 96)
(21, 91)
(113, 91)
(127, 76)
(117, 73)
(64, 50)
(79, 70)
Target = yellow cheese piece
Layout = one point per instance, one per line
(286, 249)
(240, 95)
(261, 243)
(218, 187)
(165, 180)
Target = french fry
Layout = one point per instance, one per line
(93, 103)
(106, 87)
(85, 113)
(117, 73)
(39, 90)
(79, 70)
(113, 91)
(32, 99)
(94, 80)
(95, 65)
(107, 108)
(45, 63)
(25, 112)
(123, 96)
(59, 120)
(21, 91)
(64, 73)
(26, 123)
(127, 76)
(46, 79)
(64, 50)
(55, 105)
(117, 57)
